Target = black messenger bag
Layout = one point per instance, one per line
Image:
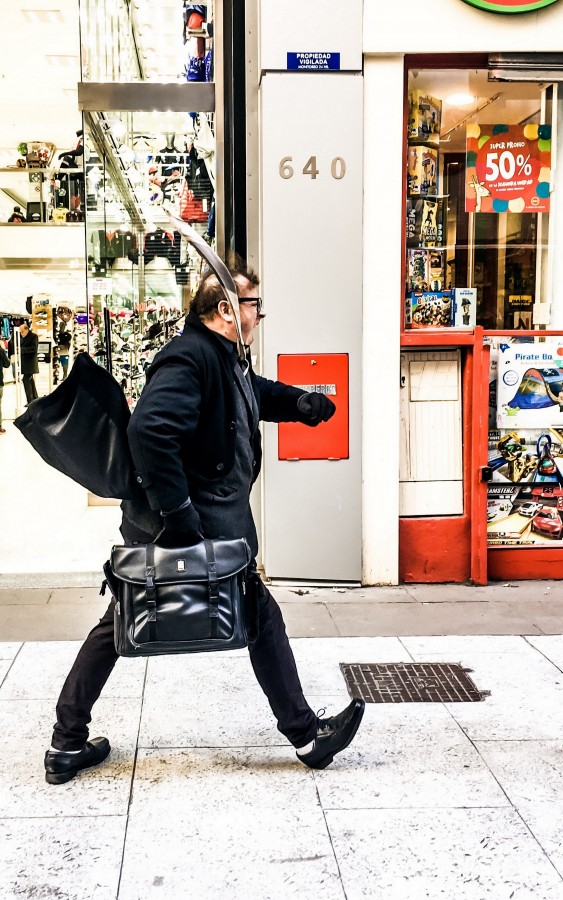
(178, 600)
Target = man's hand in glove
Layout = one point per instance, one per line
(181, 528)
(316, 407)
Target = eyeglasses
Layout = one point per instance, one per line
(256, 300)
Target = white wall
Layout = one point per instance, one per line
(312, 286)
(383, 231)
(316, 25)
(452, 26)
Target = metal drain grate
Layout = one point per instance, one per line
(410, 683)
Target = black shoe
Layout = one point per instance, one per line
(61, 767)
(334, 735)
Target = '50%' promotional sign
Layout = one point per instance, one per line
(508, 168)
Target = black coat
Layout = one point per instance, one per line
(30, 364)
(185, 419)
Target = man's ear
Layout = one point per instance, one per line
(224, 311)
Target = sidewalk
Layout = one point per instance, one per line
(202, 798)
(523, 607)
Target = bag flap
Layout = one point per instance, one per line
(179, 565)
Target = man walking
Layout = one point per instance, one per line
(196, 447)
(29, 343)
(4, 364)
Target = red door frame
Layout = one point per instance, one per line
(436, 549)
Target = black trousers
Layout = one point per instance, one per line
(29, 388)
(270, 654)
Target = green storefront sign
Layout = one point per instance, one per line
(510, 6)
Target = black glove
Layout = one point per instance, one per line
(316, 407)
(181, 528)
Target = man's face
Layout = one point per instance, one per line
(23, 330)
(249, 317)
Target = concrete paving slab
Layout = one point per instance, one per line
(60, 622)
(406, 619)
(466, 854)
(76, 595)
(283, 850)
(339, 594)
(41, 668)
(550, 646)
(408, 755)
(530, 772)
(4, 669)
(64, 857)
(525, 702)
(26, 735)
(308, 620)
(318, 661)
(9, 649)
(15, 597)
(205, 700)
(453, 648)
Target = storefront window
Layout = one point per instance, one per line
(147, 40)
(141, 272)
(478, 195)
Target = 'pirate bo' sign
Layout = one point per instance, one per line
(508, 168)
(510, 6)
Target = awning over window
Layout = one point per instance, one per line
(541, 67)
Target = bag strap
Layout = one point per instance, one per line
(150, 592)
(221, 271)
(213, 588)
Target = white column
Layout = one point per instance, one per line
(382, 309)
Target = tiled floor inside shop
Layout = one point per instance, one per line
(46, 525)
(202, 798)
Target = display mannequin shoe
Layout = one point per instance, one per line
(60, 767)
(334, 735)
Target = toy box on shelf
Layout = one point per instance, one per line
(465, 307)
(426, 269)
(425, 221)
(425, 115)
(428, 309)
(422, 169)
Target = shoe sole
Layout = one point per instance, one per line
(63, 777)
(324, 763)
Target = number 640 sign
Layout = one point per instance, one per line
(287, 168)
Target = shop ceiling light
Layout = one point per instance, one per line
(460, 98)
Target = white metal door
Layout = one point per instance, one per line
(431, 457)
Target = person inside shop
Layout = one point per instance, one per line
(17, 216)
(29, 362)
(195, 442)
(4, 364)
(64, 339)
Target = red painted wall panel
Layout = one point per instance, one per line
(329, 440)
(434, 549)
(509, 564)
